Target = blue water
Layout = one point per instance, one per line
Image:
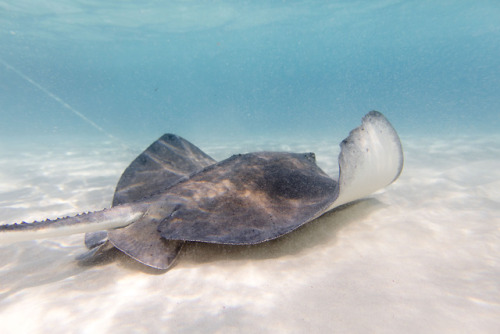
(225, 69)
(85, 85)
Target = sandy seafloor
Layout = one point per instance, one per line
(422, 256)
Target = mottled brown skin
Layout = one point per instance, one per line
(164, 163)
(246, 199)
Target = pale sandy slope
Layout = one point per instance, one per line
(422, 256)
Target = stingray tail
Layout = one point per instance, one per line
(115, 217)
(371, 158)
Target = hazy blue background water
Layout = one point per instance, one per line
(238, 69)
(422, 256)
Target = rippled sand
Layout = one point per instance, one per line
(421, 256)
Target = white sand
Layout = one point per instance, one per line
(421, 257)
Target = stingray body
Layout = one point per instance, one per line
(173, 193)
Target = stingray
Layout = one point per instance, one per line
(173, 193)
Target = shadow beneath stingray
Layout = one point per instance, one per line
(47, 263)
(305, 239)
(37, 264)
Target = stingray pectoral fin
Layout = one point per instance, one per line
(143, 242)
(371, 158)
(164, 163)
(118, 216)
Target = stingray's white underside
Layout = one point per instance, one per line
(371, 158)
